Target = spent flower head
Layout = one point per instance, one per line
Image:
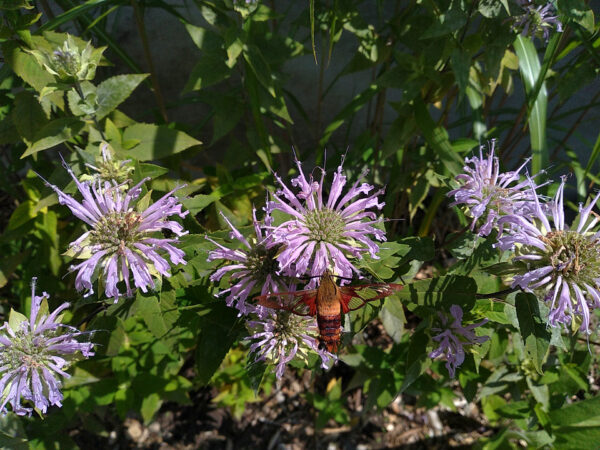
(453, 336)
(70, 63)
(280, 336)
(320, 234)
(489, 194)
(35, 354)
(122, 241)
(107, 168)
(537, 20)
(253, 267)
(561, 264)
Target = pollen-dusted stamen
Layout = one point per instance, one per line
(325, 225)
(116, 231)
(261, 261)
(574, 256)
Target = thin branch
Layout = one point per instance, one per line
(497, 294)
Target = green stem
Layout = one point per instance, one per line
(93, 116)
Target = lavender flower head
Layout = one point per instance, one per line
(323, 234)
(490, 194)
(122, 241)
(453, 336)
(537, 19)
(34, 354)
(561, 263)
(253, 267)
(282, 336)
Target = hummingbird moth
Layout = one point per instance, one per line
(328, 302)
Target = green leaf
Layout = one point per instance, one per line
(22, 214)
(392, 318)
(447, 23)
(9, 264)
(492, 8)
(348, 111)
(577, 426)
(584, 413)
(156, 141)
(54, 133)
(529, 66)
(148, 308)
(114, 91)
(533, 330)
(461, 64)
(26, 66)
(15, 319)
(255, 371)
(14, 443)
(210, 70)
(72, 14)
(441, 291)
(220, 328)
(578, 11)
(437, 138)
(260, 67)
(28, 115)
(151, 403)
(197, 203)
(417, 359)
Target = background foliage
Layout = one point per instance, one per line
(406, 89)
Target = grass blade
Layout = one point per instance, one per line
(529, 66)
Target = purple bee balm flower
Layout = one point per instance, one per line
(537, 19)
(281, 336)
(490, 194)
(34, 354)
(321, 234)
(253, 268)
(453, 336)
(561, 263)
(122, 241)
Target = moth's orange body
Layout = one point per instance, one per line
(329, 313)
(328, 302)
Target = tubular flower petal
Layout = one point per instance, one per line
(560, 263)
(320, 233)
(489, 194)
(34, 356)
(453, 336)
(280, 336)
(537, 19)
(253, 267)
(121, 239)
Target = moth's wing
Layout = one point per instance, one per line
(355, 297)
(302, 303)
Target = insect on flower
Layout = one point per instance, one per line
(328, 302)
